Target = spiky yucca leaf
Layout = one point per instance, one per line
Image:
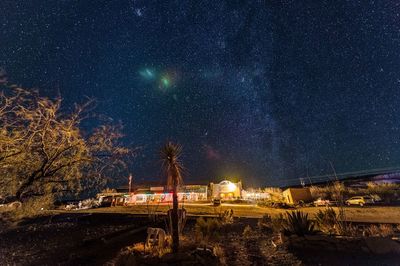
(298, 223)
(170, 156)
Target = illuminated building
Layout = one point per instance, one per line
(226, 190)
(255, 195)
(188, 193)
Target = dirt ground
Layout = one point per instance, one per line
(68, 239)
(96, 238)
(93, 237)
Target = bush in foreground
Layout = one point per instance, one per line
(327, 220)
(207, 229)
(298, 223)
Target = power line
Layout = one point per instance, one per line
(322, 178)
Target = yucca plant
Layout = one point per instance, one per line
(170, 156)
(298, 223)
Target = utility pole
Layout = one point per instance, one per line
(302, 182)
(130, 183)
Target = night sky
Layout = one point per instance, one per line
(264, 91)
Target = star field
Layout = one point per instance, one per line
(259, 90)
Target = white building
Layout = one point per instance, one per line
(226, 190)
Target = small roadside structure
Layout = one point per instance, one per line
(297, 195)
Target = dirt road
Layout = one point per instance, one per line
(367, 214)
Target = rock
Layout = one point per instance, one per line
(15, 205)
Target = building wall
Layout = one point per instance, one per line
(294, 195)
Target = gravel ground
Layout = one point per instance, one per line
(63, 240)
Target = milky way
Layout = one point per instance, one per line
(263, 92)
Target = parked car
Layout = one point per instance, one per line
(324, 202)
(216, 202)
(360, 200)
(106, 201)
(376, 198)
(71, 206)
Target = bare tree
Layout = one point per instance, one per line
(44, 151)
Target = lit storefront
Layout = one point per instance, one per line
(255, 195)
(188, 193)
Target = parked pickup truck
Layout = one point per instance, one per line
(324, 202)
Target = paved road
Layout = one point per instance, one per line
(373, 214)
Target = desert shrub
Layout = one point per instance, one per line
(351, 192)
(278, 223)
(338, 191)
(327, 220)
(273, 204)
(226, 217)
(218, 252)
(33, 207)
(386, 230)
(248, 232)
(207, 229)
(346, 229)
(265, 203)
(109, 190)
(265, 223)
(320, 192)
(275, 193)
(298, 223)
(372, 230)
(382, 230)
(387, 192)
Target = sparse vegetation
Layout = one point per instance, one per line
(327, 220)
(278, 223)
(248, 232)
(275, 193)
(207, 229)
(298, 223)
(218, 252)
(226, 217)
(265, 223)
(387, 192)
(383, 230)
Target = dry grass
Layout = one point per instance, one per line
(219, 252)
(247, 232)
(383, 230)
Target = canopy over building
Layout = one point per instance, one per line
(226, 190)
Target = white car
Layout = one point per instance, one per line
(322, 202)
(360, 200)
